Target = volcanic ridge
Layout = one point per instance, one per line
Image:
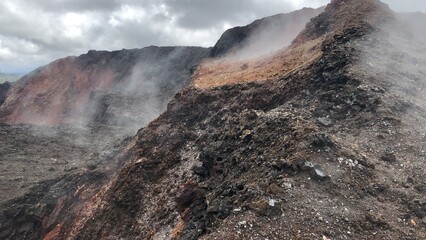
(320, 136)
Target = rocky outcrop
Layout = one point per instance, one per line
(336, 19)
(73, 89)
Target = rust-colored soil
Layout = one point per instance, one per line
(218, 72)
(46, 100)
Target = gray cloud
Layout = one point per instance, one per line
(79, 5)
(33, 33)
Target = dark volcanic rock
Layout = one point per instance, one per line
(4, 87)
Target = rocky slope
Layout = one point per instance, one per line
(87, 106)
(126, 90)
(264, 35)
(332, 148)
(321, 152)
(92, 86)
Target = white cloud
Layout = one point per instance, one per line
(73, 25)
(311, 3)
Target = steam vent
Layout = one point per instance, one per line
(304, 125)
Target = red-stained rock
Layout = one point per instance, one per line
(71, 90)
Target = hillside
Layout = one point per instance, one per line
(83, 105)
(100, 86)
(126, 89)
(263, 36)
(258, 51)
(323, 139)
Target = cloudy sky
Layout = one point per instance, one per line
(36, 32)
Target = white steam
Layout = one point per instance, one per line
(396, 56)
(272, 34)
